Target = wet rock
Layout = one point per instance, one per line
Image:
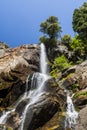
(51, 102)
(21, 106)
(41, 112)
(45, 110)
(55, 123)
(13, 120)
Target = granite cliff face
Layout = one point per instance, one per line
(16, 65)
(48, 113)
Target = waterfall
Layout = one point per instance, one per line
(43, 58)
(37, 89)
(71, 114)
(37, 85)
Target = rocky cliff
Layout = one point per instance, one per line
(75, 80)
(17, 65)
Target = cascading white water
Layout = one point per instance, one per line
(71, 114)
(4, 116)
(43, 58)
(38, 81)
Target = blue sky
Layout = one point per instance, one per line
(20, 19)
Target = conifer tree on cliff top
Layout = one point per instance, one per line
(80, 21)
(51, 30)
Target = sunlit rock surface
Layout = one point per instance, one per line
(15, 65)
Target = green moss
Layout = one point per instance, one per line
(80, 94)
(76, 108)
(67, 77)
(75, 87)
(54, 73)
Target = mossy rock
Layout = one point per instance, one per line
(80, 94)
(80, 99)
(70, 82)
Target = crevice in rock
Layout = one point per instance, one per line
(3, 93)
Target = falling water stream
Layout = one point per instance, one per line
(43, 60)
(72, 115)
(37, 89)
(38, 81)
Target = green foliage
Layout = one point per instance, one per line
(66, 40)
(77, 44)
(80, 21)
(54, 73)
(49, 43)
(60, 63)
(75, 87)
(80, 94)
(51, 30)
(51, 27)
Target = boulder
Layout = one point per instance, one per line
(82, 120)
(80, 98)
(55, 123)
(81, 73)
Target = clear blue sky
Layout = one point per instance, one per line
(20, 19)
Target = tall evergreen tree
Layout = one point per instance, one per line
(80, 21)
(51, 29)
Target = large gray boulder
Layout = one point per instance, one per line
(82, 120)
